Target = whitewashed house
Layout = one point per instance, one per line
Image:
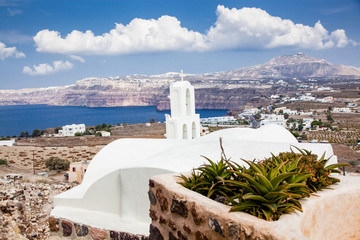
(219, 120)
(307, 98)
(104, 133)
(307, 122)
(272, 119)
(7, 142)
(341, 110)
(70, 130)
(290, 112)
(249, 111)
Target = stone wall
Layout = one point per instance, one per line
(178, 213)
(65, 229)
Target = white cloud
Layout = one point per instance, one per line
(46, 69)
(234, 28)
(255, 28)
(6, 52)
(77, 58)
(163, 34)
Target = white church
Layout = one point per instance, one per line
(183, 122)
(113, 194)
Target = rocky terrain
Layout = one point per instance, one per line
(220, 90)
(25, 206)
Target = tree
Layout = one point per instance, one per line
(314, 123)
(55, 163)
(56, 130)
(152, 120)
(257, 116)
(286, 115)
(24, 134)
(36, 133)
(329, 116)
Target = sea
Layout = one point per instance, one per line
(21, 118)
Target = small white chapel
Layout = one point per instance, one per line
(113, 194)
(183, 122)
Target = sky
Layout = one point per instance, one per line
(47, 43)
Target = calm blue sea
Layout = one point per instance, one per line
(17, 119)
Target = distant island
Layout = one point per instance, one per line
(219, 90)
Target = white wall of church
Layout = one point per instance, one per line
(183, 122)
(113, 194)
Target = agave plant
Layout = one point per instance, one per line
(266, 189)
(267, 192)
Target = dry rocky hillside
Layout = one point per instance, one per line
(219, 90)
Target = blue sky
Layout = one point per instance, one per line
(57, 42)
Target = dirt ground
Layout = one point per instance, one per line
(140, 130)
(29, 154)
(346, 154)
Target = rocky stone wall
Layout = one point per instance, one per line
(178, 213)
(66, 229)
(25, 206)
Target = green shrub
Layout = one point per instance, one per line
(320, 173)
(266, 189)
(58, 164)
(3, 162)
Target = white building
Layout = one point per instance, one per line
(341, 110)
(249, 111)
(285, 110)
(307, 98)
(272, 119)
(219, 120)
(70, 130)
(114, 191)
(7, 142)
(275, 96)
(324, 89)
(183, 122)
(290, 112)
(104, 133)
(307, 122)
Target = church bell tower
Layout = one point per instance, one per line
(183, 122)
